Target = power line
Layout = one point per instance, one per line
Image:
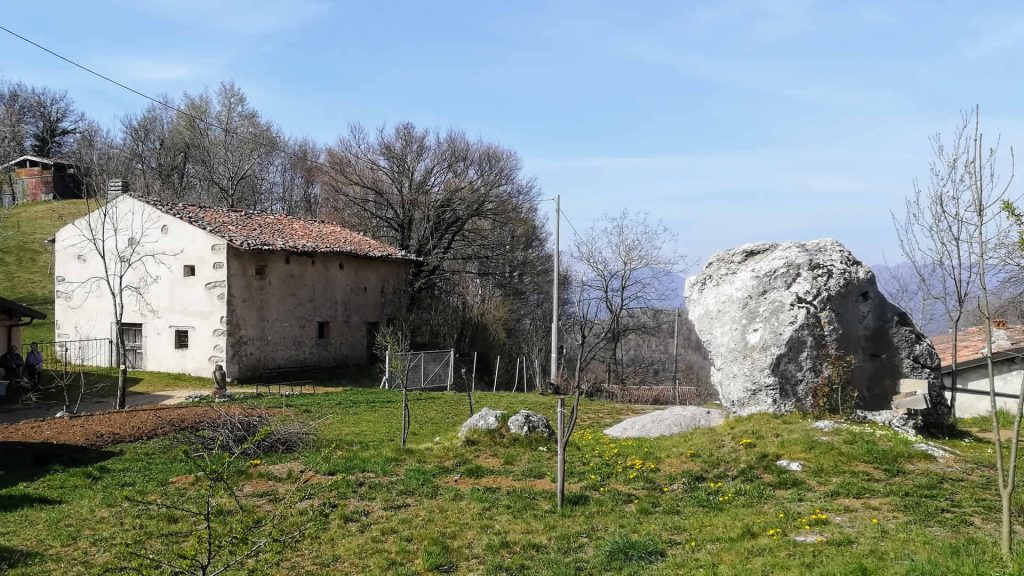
(569, 222)
(162, 103)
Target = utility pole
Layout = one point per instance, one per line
(554, 298)
(675, 359)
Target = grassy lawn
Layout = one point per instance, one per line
(707, 502)
(26, 273)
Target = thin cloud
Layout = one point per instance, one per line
(999, 36)
(154, 69)
(240, 16)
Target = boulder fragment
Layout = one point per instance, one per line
(527, 423)
(674, 420)
(485, 419)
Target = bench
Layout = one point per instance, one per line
(289, 376)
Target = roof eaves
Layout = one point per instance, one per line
(21, 309)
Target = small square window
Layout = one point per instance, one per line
(181, 339)
(323, 330)
(189, 270)
(261, 271)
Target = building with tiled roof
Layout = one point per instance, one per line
(34, 179)
(972, 381)
(253, 291)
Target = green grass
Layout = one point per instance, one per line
(707, 502)
(26, 263)
(984, 421)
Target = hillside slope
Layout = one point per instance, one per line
(26, 265)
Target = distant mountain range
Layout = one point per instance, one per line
(900, 285)
(896, 281)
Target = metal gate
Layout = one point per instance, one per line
(425, 370)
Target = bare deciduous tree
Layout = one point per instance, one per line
(438, 196)
(627, 264)
(54, 122)
(937, 231)
(988, 203)
(123, 236)
(230, 146)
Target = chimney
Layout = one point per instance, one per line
(116, 188)
(999, 324)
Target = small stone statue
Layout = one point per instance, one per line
(220, 382)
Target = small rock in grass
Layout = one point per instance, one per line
(937, 452)
(790, 465)
(901, 423)
(810, 537)
(826, 425)
(527, 423)
(485, 419)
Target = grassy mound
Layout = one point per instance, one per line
(26, 260)
(712, 501)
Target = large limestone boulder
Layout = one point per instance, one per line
(772, 315)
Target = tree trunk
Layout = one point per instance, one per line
(952, 374)
(122, 368)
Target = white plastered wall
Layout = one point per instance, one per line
(197, 304)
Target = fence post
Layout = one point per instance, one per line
(451, 368)
(422, 383)
(515, 384)
(496, 364)
(560, 473)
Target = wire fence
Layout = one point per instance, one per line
(425, 370)
(98, 353)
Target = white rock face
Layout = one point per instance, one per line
(486, 419)
(771, 315)
(674, 420)
(527, 423)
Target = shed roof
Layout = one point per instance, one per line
(972, 344)
(39, 159)
(21, 310)
(264, 231)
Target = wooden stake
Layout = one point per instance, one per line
(496, 365)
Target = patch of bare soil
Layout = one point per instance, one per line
(102, 429)
(1004, 434)
(278, 477)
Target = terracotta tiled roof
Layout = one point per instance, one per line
(971, 343)
(250, 230)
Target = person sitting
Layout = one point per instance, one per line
(34, 366)
(12, 363)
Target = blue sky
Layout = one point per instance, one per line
(731, 121)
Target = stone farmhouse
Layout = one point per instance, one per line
(972, 367)
(250, 290)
